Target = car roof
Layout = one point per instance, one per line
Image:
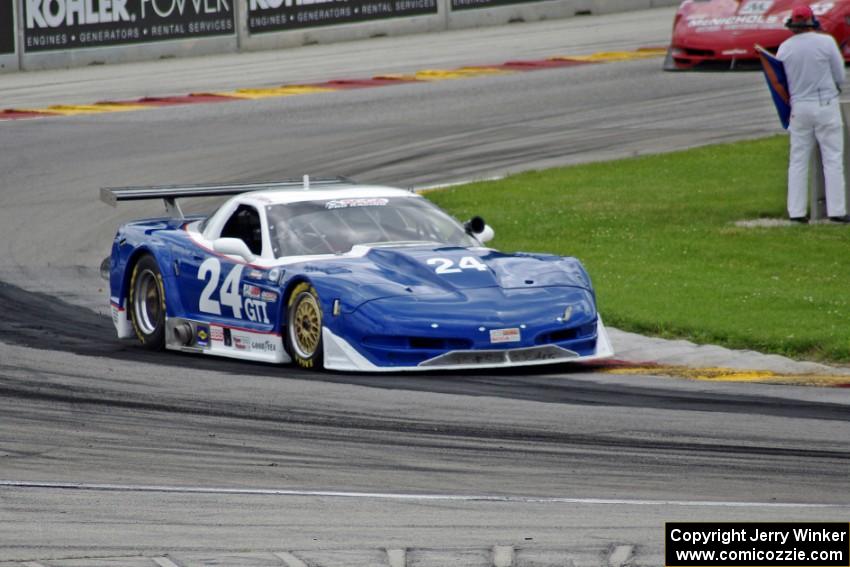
(286, 196)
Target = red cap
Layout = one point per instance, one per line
(801, 13)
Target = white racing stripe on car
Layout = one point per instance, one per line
(406, 497)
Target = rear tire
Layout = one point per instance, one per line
(304, 327)
(147, 303)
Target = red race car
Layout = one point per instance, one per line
(721, 34)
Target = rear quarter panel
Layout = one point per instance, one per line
(132, 241)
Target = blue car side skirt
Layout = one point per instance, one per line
(226, 340)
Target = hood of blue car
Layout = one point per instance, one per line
(451, 269)
(440, 273)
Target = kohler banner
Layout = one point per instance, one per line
(282, 15)
(7, 27)
(71, 24)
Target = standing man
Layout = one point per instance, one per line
(815, 71)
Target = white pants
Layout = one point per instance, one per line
(812, 121)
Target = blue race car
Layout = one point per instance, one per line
(351, 277)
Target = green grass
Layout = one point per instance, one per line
(657, 235)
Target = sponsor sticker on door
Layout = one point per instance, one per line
(202, 336)
(217, 334)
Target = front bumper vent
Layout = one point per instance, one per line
(546, 353)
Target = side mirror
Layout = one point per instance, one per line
(233, 247)
(479, 229)
(486, 235)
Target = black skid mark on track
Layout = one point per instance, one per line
(343, 425)
(44, 322)
(40, 321)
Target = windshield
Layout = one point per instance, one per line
(334, 226)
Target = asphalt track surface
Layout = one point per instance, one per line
(110, 455)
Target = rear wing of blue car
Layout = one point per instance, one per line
(170, 193)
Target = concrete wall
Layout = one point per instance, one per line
(446, 18)
(345, 32)
(128, 53)
(242, 39)
(547, 10)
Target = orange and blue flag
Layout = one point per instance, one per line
(777, 82)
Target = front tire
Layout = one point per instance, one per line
(147, 303)
(304, 326)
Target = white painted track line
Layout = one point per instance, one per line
(503, 556)
(410, 497)
(621, 556)
(397, 557)
(164, 562)
(438, 186)
(289, 559)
